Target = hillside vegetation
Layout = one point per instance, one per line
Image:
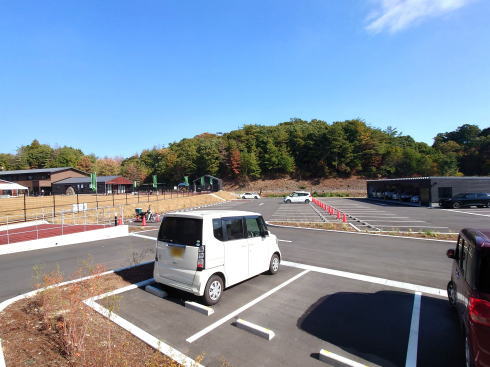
(298, 149)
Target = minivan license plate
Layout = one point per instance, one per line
(177, 251)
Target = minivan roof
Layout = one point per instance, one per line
(481, 237)
(212, 213)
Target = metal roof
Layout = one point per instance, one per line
(7, 185)
(37, 170)
(77, 180)
(197, 179)
(432, 177)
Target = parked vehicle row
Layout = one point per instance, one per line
(391, 195)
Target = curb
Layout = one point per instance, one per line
(336, 360)
(139, 333)
(205, 310)
(65, 240)
(359, 233)
(156, 291)
(255, 329)
(8, 302)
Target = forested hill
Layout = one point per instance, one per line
(297, 148)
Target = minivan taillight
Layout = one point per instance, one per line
(479, 311)
(200, 257)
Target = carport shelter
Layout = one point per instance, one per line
(8, 189)
(207, 183)
(430, 189)
(81, 185)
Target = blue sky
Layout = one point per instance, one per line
(115, 77)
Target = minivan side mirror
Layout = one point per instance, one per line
(264, 233)
(451, 253)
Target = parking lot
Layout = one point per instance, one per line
(352, 294)
(307, 310)
(389, 216)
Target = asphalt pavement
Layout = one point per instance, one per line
(355, 318)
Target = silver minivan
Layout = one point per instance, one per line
(203, 252)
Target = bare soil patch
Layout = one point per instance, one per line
(348, 228)
(354, 186)
(54, 328)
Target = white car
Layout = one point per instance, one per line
(203, 252)
(298, 197)
(250, 195)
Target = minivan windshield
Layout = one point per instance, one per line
(485, 274)
(183, 231)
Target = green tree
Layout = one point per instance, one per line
(66, 157)
(35, 155)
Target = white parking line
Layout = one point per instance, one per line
(221, 321)
(135, 330)
(381, 216)
(261, 204)
(142, 236)
(398, 221)
(369, 279)
(470, 213)
(413, 338)
(414, 226)
(284, 241)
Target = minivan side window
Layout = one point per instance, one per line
(459, 244)
(262, 225)
(253, 227)
(470, 264)
(234, 228)
(218, 229)
(462, 255)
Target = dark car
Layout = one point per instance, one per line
(479, 199)
(469, 292)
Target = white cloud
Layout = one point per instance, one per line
(394, 15)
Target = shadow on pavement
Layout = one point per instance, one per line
(376, 327)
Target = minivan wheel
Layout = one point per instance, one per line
(307, 201)
(456, 205)
(288, 201)
(274, 264)
(451, 294)
(256, 197)
(213, 291)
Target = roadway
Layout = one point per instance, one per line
(359, 319)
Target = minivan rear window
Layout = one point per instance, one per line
(484, 284)
(183, 231)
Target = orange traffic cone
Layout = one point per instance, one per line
(344, 218)
(143, 222)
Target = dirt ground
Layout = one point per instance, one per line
(42, 330)
(41, 207)
(354, 186)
